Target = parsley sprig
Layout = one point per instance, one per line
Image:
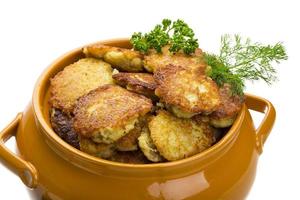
(177, 34)
(240, 60)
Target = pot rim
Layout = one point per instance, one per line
(37, 102)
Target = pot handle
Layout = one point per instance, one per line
(25, 170)
(264, 106)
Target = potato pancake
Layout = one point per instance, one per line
(120, 58)
(177, 138)
(155, 61)
(77, 80)
(62, 125)
(141, 83)
(109, 112)
(147, 146)
(186, 92)
(129, 142)
(227, 111)
(97, 149)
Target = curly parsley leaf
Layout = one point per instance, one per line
(177, 34)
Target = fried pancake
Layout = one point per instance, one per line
(62, 125)
(147, 146)
(96, 149)
(122, 59)
(141, 83)
(218, 133)
(155, 61)
(131, 157)
(177, 138)
(186, 92)
(226, 112)
(129, 142)
(77, 80)
(109, 112)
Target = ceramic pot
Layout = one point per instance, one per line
(52, 169)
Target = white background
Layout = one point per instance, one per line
(34, 33)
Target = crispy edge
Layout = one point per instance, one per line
(134, 59)
(154, 61)
(141, 83)
(139, 79)
(227, 111)
(96, 149)
(148, 147)
(129, 142)
(80, 121)
(230, 104)
(99, 50)
(62, 124)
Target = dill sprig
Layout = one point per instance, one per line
(177, 34)
(241, 60)
(221, 74)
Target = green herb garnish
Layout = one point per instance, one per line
(241, 60)
(177, 34)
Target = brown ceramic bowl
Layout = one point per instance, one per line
(55, 170)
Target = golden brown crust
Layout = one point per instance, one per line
(186, 89)
(155, 61)
(177, 138)
(209, 133)
(62, 124)
(123, 59)
(129, 142)
(148, 147)
(77, 80)
(108, 107)
(230, 104)
(96, 149)
(141, 83)
(142, 79)
(227, 111)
